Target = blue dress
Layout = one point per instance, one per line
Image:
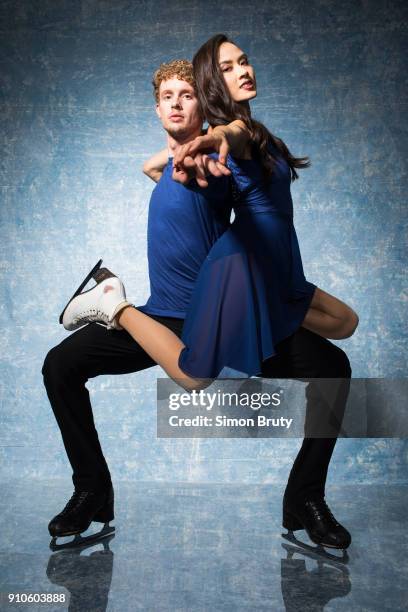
(251, 291)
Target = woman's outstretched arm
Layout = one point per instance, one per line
(238, 137)
(161, 344)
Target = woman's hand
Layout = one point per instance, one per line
(199, 167)
(191, 159)
(216, 140)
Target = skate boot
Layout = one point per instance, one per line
(83, 508)
(101, 303)
(314, 515)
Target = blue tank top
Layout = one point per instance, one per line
(183, 224)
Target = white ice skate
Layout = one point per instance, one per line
(101, 303)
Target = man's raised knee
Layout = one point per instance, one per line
(56, 364)
(49, 362)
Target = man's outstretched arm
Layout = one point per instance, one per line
(153, 167)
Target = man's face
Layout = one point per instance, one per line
(178, 108)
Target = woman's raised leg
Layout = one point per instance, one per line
(160, 343)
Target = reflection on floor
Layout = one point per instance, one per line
(204, 547)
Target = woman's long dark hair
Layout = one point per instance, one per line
(219, 108)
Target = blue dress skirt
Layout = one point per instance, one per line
(251, 291)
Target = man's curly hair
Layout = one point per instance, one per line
(181, 69)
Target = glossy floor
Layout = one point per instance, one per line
(200, 547)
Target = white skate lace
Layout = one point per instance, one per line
(92, 314)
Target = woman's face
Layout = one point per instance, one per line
(238, 74)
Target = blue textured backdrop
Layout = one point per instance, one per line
(78, 121)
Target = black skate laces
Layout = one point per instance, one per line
(77, 498)
(321, 510)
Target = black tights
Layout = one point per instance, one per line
(306, 355)
(93, 350)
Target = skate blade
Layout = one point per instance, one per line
(314, 552)
(80, 541)
(81, 286)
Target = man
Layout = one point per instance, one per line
(178, 242)
(182, 227)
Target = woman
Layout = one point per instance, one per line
(251, 292)
(261, 292)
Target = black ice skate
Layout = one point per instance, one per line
(316, 518)
(83, 508)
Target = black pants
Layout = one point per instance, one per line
(93, 350)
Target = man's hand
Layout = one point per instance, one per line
(199, 167)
